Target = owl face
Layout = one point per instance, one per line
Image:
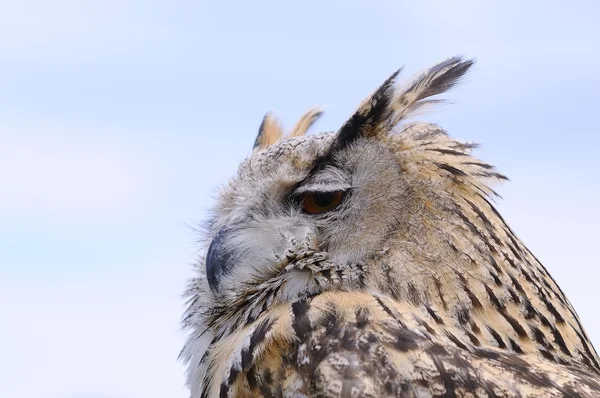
(307, 213)
(305, 194)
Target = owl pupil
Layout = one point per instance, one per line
(323, 199)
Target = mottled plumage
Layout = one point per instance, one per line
(371, 262)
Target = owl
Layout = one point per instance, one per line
(371, 262)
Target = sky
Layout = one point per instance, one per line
(119, 120)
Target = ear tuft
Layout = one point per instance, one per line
(306, 121)
(371, 115)
(384, 109)
(437, 80)
(269, 132)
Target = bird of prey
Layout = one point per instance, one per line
(371, 262)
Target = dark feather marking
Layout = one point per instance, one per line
(497, 337)
(496, 279)
(456, 341)
(452, 246)
(495, 238)
(209, 349)
(474, 300)
(437, 349)
(406, 340)
(332, 321)
(447, 151)
(451, 169)
(494, 299)
(224, 390)
(514, 241)
(465, 145)
(586, 347)
(495, 265)
(470, 225)
(528, 277)
(480, 214)
(362, 317)
(515, 252)
(552, 309)
(523, 371)
(384, 307)
(494, 210)
(421, 322)
(544, 320)
(549, 287)
(446, 377)
(394, 314)
(514, 324)
(225, 385)
(468, 379)
(561, 296)
(251, 377)
(433, 315)
(474, 340)
(513, 295)
(205, 384)
(361, 276)
(546, 354)
(530, 311)
(261, 129)
(514, 346)
(413, 294)
(558, 339)
(487, 354)
(256, 338)
(463, 315)
(267, 393)
(585, 359)
(479, 164)
(516, 284)
(438, 286)
(301, 322)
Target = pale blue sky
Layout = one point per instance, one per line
(118, 119)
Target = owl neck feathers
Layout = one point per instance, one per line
(456, 256)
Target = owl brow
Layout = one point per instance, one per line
(319, 164)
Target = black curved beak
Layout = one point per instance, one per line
(218, 260)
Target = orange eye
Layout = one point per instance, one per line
(320, 202)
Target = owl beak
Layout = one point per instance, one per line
(218, 260)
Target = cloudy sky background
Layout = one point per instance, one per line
(118, 120)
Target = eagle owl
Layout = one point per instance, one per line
(371, 262)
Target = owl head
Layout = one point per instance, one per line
(402, 212)
(370, 206)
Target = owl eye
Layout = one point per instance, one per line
(320, 202)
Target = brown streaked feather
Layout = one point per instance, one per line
(348, 344)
